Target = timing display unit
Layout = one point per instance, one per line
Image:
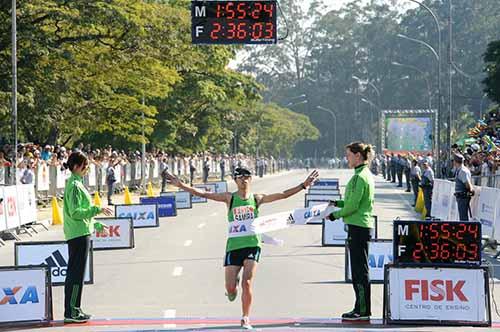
(437, 242)
(234, 22)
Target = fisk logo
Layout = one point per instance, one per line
(435, 290)
(29, 295)
(113, 231)
(378, 261)
(58, 266)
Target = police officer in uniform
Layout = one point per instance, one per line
(427, 184)
(394, 162)
(400, 165)
(464, 190)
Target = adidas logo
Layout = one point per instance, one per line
(57, 263)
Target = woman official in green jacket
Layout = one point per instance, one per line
(356, 212)
(78, 225)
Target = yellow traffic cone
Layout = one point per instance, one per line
(128, 198)
(419, 205)
(56, 213)
(424, 213)
(97, 199)
(150, 190)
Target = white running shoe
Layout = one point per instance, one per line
(245, 324)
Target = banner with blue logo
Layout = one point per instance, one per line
(326, 184)
(380, 253)
(182, 199)
(166, 205)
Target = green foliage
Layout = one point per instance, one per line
(492, 81)
(107, 70)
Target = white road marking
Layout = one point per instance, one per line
(170, 313)
(202, 225)
(177, 271)
(188, 243)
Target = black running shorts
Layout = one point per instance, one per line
(238, 256)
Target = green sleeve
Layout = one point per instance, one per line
(340, 203)
(98, 226)
(76, 210)
(352, 204)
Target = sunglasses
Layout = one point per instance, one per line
(243, 176)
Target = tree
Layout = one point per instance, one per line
(492, 81)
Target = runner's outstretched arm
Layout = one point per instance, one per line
(221, 197)
(261, 199)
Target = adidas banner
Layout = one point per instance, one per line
(53, 254)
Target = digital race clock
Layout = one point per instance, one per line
(437, 242)
(234, 22)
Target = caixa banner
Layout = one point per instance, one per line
(166, 205)
(379, 254)
(436, 295)
(53, 254)
(120, 234)
(143, 215)
(25, 295)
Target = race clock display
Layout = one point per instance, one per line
(234, 22)
(437, 242)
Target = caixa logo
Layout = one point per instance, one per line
(435, 290)
(378, 261)
(138, 215)
(11, 295)
(57, 264)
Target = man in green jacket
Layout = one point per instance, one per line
(356, 212)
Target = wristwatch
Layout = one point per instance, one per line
(303, 186)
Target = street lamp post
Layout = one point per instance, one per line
(438, 115)
(14, 86)
(332, 113)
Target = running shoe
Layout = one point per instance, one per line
(79, 319)
(355, 316)
(82, 314)
(245, 324)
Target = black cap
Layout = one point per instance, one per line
(458, 158)
(242, 171)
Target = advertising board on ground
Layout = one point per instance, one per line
(182, 199)
(326, 184)
(208, 187)
(166, 205)
(334, 233)
(53, 254)
(120, 234)
(320, 198)
(25, 294)
(436, 295)
(143, 215)
(11, 207)
(220, 186)
(379, 254)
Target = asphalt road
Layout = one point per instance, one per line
(175, 271)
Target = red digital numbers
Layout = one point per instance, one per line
(269, 31)
(242, 32)
(445, 251)
(268, 8)
(231, 30)
(257, 10)
(216, 29)
(461, 232)
(434, 233)
(258, 31)
(474, 230)
(461, 252)
(473, 252)
(242, 13)
(417, 252)
(434, 251)
(231, 13)
(445, 233)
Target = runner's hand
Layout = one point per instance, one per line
(173, 179)
(107, 212)
(313, 177)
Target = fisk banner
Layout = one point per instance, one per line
(437, 294)
(120, 234)
(25, 294)
(53, 254)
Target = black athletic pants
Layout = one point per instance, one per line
(358, 238)
(78, 249)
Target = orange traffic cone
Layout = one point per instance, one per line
(97, 199)
(56, 213)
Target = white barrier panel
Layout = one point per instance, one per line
(128, 172)
(320, 198)
(118, 173)
(220, 186)
(486, 210)
(143, 215)
(54, 254)
(26, 295)
(208, 187)
(26, 201)
(379, 254)
(156, 168)
(442, 194)
(314, 191)
(2, 174)
(451, 296)
(138, 170)
(334, 233)
(61, 176)
(3, 211)
(42, 178)
(182, 199)
(104, 172)
(120, 234)
(496, 227)
(11, 208)
(326, 184)
(92, 175)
